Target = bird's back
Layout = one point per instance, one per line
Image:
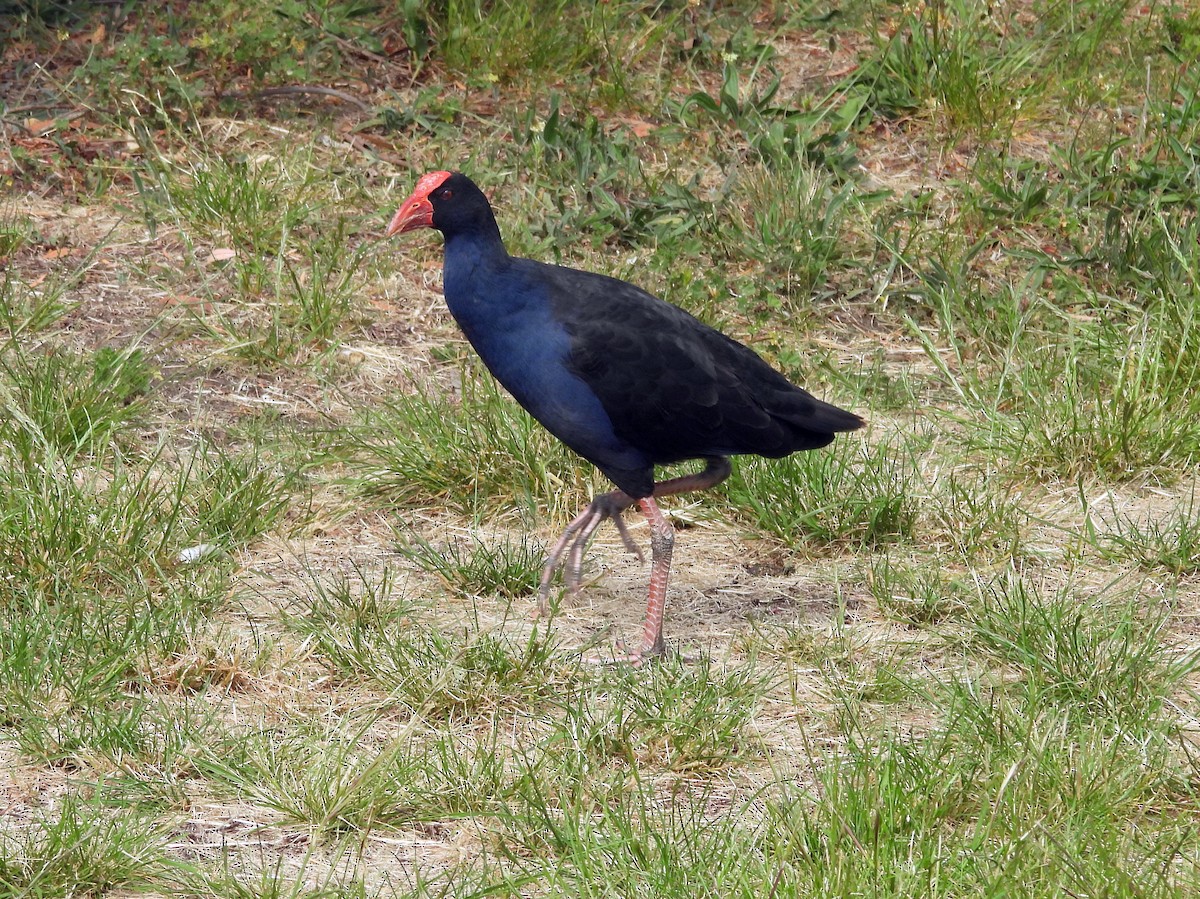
(675, 388)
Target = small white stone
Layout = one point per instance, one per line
(194, 554)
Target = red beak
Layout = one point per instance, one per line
(415, 212)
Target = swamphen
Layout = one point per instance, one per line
(623, 378)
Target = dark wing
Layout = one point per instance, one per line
(676, 388)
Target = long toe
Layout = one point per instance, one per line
(567, 553)
(623, 656)
(559, 553)
(553, 562)
(543, 598)
(627, 540)
(573, 570)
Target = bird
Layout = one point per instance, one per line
(626, 380)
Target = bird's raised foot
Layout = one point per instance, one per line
(567, 552)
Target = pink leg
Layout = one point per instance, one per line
(717, 470)
(662, 544)
(575, 538)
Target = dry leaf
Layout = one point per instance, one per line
(40, 126)
(640, 128)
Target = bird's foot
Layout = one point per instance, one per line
(640, 657)
(567, 553)
(633, 658)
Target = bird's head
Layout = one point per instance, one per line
(447, 201)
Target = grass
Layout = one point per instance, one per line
(270, 534)
(418, 450)
(501, 567)
(1167, 543)
(83, 851)
(842, 496)
(358, 630)
(70, 404)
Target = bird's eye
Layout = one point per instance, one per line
(447, 194)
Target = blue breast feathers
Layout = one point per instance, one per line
(508, 320)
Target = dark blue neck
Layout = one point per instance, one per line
(471, 264)
(482, 243)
